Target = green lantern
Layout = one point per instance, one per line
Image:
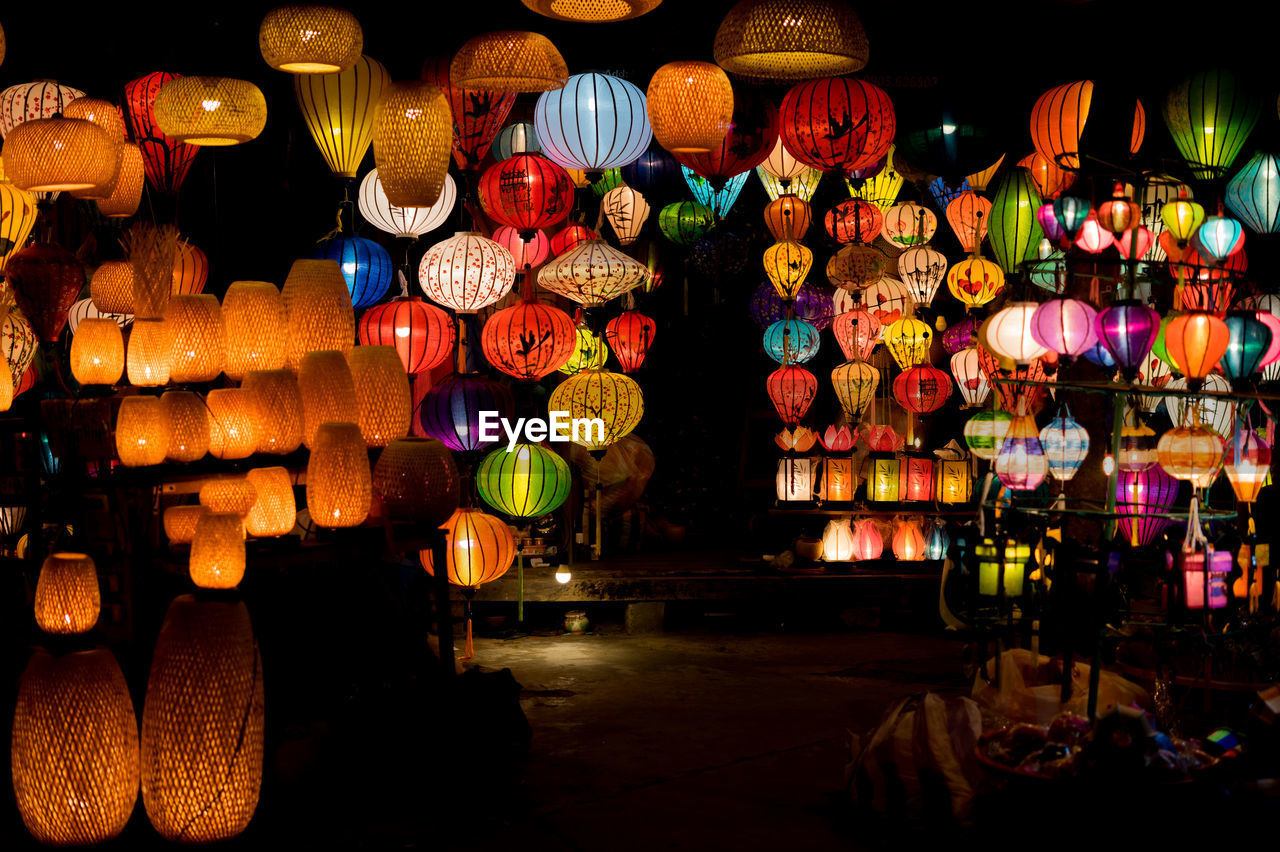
(684, 222)
(985, 431)
(1210, 115)
(1160, 349)
(526, 482)
(1012, 228)
(610, 179)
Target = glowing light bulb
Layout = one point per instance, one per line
(210, 105)
(948, 129)
(1108, 464)
(563, 576)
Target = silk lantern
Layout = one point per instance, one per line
(466, 272)
(922, 389)
(516, 138)
(630, 334)
(792, 390)
(524, 253)
(867, 542)
(837, 123)
(417, 480)
(592, 274)
(278, 424)
(1141, 496)
(214, 111)
(684, 222)
(837, 541)
(1196, 341)
(451, 411)
(1064, 326)
(975, 282)
(1210, 116)
(382, 396)
(18, 213)
(787, 264)
(1248, 464)
(525, 482)
(1249, 341)
(1066, 444)
(855, 384)
(526, 192)
(1192, 453)
(44, 281)
(1253, 193)
(27, 101)
(421, 333)
(1009, 333)
(478, 114)
(908, 542)
(953, 481)
(612, 398)
(1058, 121)
(479, 548)
(404, 222)
(908, 340)
(1013, 231)
(339, 488)
(888, 299)
(791, 341)
(1127, 331)
(970, 378)
(310, 39)
(626, 211)
(594, 122)
(857, 332)
(67, 599)
(968, 214)
(922, 269)
(340, 110)
(984, 433)
(589, 352)
(366, 267)
(528, 340)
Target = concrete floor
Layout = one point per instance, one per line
(697, 741)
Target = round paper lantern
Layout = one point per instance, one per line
(968, 214)
(856, 332)
(1254, 193)
(752, 133)
(1210, 116)
(908, 340)
(792, 390)
(592, 274)
(684, 222)
(1127, 331)
(1249, 341)
(1013, 230)
(141, 434)
(479, 548)
(525, 482)
(1008, 333)
(366, 267)
(210, 110)
(1248, 465)
(218, 551)
(339, 487)
(1058, 122)
(278, 423)
(28, 101)
(595, 122)
(1050, 179)
(44, 280)
(1196, 341)
(922, 389)
(526, 192)
(340, 110)
(791, 341)
(570, 237)
(404, 222)
(412, 138)
(417, 480)
(199, 338)
(180, 522)
(150, 353)
(630, 334)
(788, 218)
(888, 300)
(690, 106)
(525, 254)
(856, 266)
(466, 272)
(867, 542)
(837, 123)
(509, 61)
(1066, 444)
(232, 414)
(67, 599)
(318, 310)
(528, 340)
(310, 39)
(612, 398)
(787, 264)
(626, 211)
(382, 394)
(790, 40)
(203, 722)
(1140, 497)
(855, 384)
(811, 304)
(56, 154)
(274, 512)
(234, 494)
(477, 113)
(451, 411)
(74, 748)
(421, 333)
(967, 369)
(1064, 326)
(254, 318)
(111, 287)
(1191, 453)
(908, 224)
(328, 392)
(985, 431)
(908, 542)
(187, 420)
(1217, 238)
(97, 352)
(1021, 463)
(516, 138)
(975, 281)
(784, 168)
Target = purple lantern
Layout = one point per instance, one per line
(451, 410)
(812, 304)
(1065, 326)
(960, 336)
(1049, 222)
(1139, 494)
(1127, 331)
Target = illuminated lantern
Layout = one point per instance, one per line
(837, 541)
(18, 213)
(837, 123)
(67, 600)
(1002, 565)
(105, 115)
(1217, 238)
(451, 412)
(527, 482)
(684, 222)
(215, 111)
(218, 551)
(45, 281)
(141, 435)
(792, 390)
(526, 192)
(570, 237)
(888, 300)
(1064, 326)
(97, 352)
(791, 341)
(365, 265)
(1066, 444)
(626, 211)
(199, 338)
(881, 188)
(382, 394)
(508, 61)
(1196, 341)
(318, 309)
(630, 334)
(592, 274)
(787, 264)
(953, 481)
(126, 193)
(810, 304)
(187, 419)
(1120, 213)
(975, 281)
(589, 352)
(867, 543)
(516, 138)
(984, 433)
(1249, 342)
(190, 269)
(936, 542)
(908, 340)
(1191, 453)
(796, 480)
(404, 222)
(917, 478)
(1248, 465)
(1009, 333)
(232, 413)
(1092, 237)
(855, 383)
(417, 480)
(908, 224)
(1253, 193)
(1013, 230)
(690, 106)
(180, 522)
(857, 266)
(327, 390)
(54, 154)
(1058, 123)
(922, 389)
(235, 494)
(28, 101)
(1213, 408)
(254, 318)
(525, 254)
(310, 39)
(788, 218)
(1137, 447)
(1135, 243)
(340, 111)
(165, 160)
(908, 542)
(751, 137)
(1127, 330)
(528, 340)
(763, 40)
(411, 143)
(851, 221)
(968, 215)
(717, 200)
(960, 335)
(1210, 116)
(595, 122)
(466, 272)
(421, 333)
(1140, 497)
(1071, 214)
(478, 113)
(802, 187)
(278, 420)
(339, 487)
(857, 332)
(1050, 180)
(479, 548)
(150, 353)
(838, 482)
(84, 309)
(966, 368)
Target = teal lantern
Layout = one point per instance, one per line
(1210, 116)
(525, 482)
(1013, 230)
(718, 200)
(1218, 237)
(1254, 193)
(683, 222)
(1071, 213)
(791, 341)
(518, 138)
(1249, 342)
(1066, 444)
(936, 540)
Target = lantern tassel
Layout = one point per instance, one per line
(468, 650)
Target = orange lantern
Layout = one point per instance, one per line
(274, 511)
(190, 269)
(788, 217)
(234, 494)
(383, 401)
(967, 215)
(690, 106)
(188, 425)
(908, 542)
(1050, 180)
(1058, 121)
(339, 484)
(1196, 341)
(277, 406)
(217, 551)
(1191, 453)
(180, 522)
(67, 596)
(232, 412)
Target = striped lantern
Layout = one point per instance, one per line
(466, 272)
(478, 113)
(190, 269)
(451, 411)
(340, 110)
(421, 333)
(922, 389)
(525, 254)
(1140, 495)
(592, 274)
(970, 379)
(630, 334)
(612, 398)
(595, 122)
(526, 481)
(165, 160)
(857, 333)
(407, 223)
(1013, 231)
(366, 267)
(526, 192)
(855, 383)
(792, 391)
(837, 123)
(528, 340)
(479, 548)
(1066, 444)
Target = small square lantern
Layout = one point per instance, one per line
(953, 481)
(837, 480)
(795, 481)
(885, 482)
(1196, 583)
(917, 478)
(1012, 556)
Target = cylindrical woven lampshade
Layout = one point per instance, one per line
(203, 723)
(67, 596)
(479, 548)
(190, 269)
(229, 494)
(339, 488)
(382, 394)
(791, 40)
(412, 141)
(253, 313)
(142, 436)
(509, 61)
(199, 338)
(310, 39)
(232, 413)
(277, 401)
(318, 309)
(217, 551)
(126, 193)
(111, 287)
(74, 750)
(188, 425)
(210, 110)
(152, 251)
(274, 512)
(150, 353)
(97, 352)
(180, 522)
(417, 480)
(328, 392)
(56, 154)
(690, 106)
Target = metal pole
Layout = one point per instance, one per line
(444, 606)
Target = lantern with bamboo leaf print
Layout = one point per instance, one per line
(1021, 463)
(922, 269)
(1059, 117)
(421, 333)
(451, 411)
(1192, 453)
(908, 224)
(525, 482)
(1013, 231)
(837, 123)
(526, 192)
(796, 478)
(589, 352)
(985, 431)
(477, 113)
(787, 264)
(857, 332)
(1127, 330)
(595, 122)
(855, 384)
(630, 334)
(1249, 341)
(592, 274)
(411, 143)
(975, 281)
(366, 267)
(853, 221)
(1253, 193)
(970, 378)
(867, 542)
(1066, 444)
(613, 399)
(908, 541)
(1210, 116)
(1008, 333)
(791, 341)
(466, 272)
(968, 214)
(165, 160)
(922, 389)
(528, 340)
(792, 390)
(788, 218)
(908, 340)
(626, 210)
(1064, 326)
(1248, 464)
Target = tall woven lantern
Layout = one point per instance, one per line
(126, 193)
(153, 251)
(111, 287)
(218, 551)
(527, 482)
(199, 338)
(278, 424)
(528, 340)
(791, 40)
(74, 750)
(412, 139)
(97, 352)
(150, 353)
(254, 316)
(509, 61)
(317, 309)
(274, 512)
(339, 487)
(165, 160)
(404, 222)
(382, 394)
(232, 493)
(592, 274)
(478, 114)
(67, 597)
(187, 417)
(141, 431)
(215, 111)
(56, 154)
(417, 480)
(232, 413)
(690, 106)
(203, 723)
(594, 122)
(328, 392)
(310, 39)
(190, 269)
(340, 110)
(613, 398)
(466, 272)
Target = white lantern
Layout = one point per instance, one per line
(1216, 412)
(796, 479)
(837, 541)
(466, 272)
(406, 222)
(1008, 333)
(626, 210)
(596, 122)
(970, 378)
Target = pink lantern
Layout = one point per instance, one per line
(526, 253)
(1135, 242)
(1092, 237)
(1065, 326)
(867, 542)
(857, 332)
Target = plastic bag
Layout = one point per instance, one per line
(1030, 688)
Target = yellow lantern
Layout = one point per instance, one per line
(67, 595)
(18, 213)
(690, 106)
(278, 422)
(141, 431)
(953, 481)
(590, 352)
(310, 39)
(328, 393)
(339, 489)
(57, 154)
(254, 316)
(837, 541)
(187, 420)
(215, 111)
(111, 287)
(509, 61)
(975, 281)
(787, 263)
(1008, 558)
(340, 110)
(199, 338)
(180, 522)
(884, 484)
(383, 400)
(97, 352)
(882, 188)
(908, 542)
(150, 353)
(274, 512)
(231, 417)
(412, 141)
(1182, 217)
(217, 551)
(318, 310)
(855, 383)
(233, 494)
(612, 399)
(908, 341)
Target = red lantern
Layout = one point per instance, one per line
(630, 334)
(421, 333)
(922, 389)
(748, 143)
(570, 237)
(527, 192)
(792, 390)
(1011, 396)
(967, 215)
(854, 221)
(837, 123)
(164, 160)
(45, 281)
(478, 115)
(528, 340)
(526, 253)
(857, 332)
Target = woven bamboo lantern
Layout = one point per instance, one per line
(274, 512)
(509, 61)
(180, 522)
(190, 269)
(165, 161)
(6, 385)
(339, 488)
(187, 424)
(232, 494)
(57, 154)
(310, 39)
(417, 480)
(217, 551)
(105, 115)
(141, 434)
(214, 111)
(67, 596)
(203, 723)
(341, 110)
(97, 352)
(412, 140)
(466, 272)
(690, 106)
(199, 338)
(111, 287)
(126, 193)
(382, 394)
(318, 308)
(150, 353)
(277, 402)
(74, 749)
(152, 252)
(328, 392)
(232, 413)
(791, 40)
(588, 11)
(254, 317)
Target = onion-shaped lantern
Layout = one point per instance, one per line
(165, 160)
(613, 399)
(909, 224)
(1196, 341)
(1191, 453)
(791, 341)
(1064, 326)
(1217, 238)
(853, 221)
(1249, 340)
(970, 379)
(788, 218)
(365, 265)
(626, 211)
(592, 274)
(466, 272)
(1253, 193)
(478, 113)
(421, 333)
(1013, 230)
(519, 137)
(792, 390)
(526, 481)
(961, 335)
(451, 411)
(1248, 465)
(802, 187)
(1140, 497)
(1214, 408)
(922, 389)
(595, 122)
(1127, 330)
(339, 109)
(404, 222)
(908, 340)
(1008, 333)
(570, 237)
(1210, 116)
(18, 213)
(856, 332)
(630, 334)
(787, 264)
(1066, 444)
(855, 383)
(975, 282)
(810, 303)
(1021, 463)
(985, 431)
(752, 134)
(968, 214)
(527, 192)
(837, 123)
(684, 222)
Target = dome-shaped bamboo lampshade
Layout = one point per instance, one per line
(180, 522)
(466, 272)
(277, 402)
(111, 287)
(232, 494)
(126, 193)
(190, 269)
(67, 595)
(74, 749)
(318, 308)
(690, 106)
(591, 11)
(188, 425)
(382, 393)
(479, 549)
(56, 154)
(274, 512)
(417, 480)
(310, 39)
(791, 40)
(142, 436)
(199, 338)
(217, 551)
(232, 413)
(412, 140)
(339, 488)
(509, 61)
(328, 392)
(340, 110)
(150, 353)
(97, 352)
(254, 316)
(203, 722)
(105, 115)
(210, 110)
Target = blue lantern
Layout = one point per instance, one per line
(1098, 354)
(1254, 193)
(791, 341)
(1218, 237)
(595, 122)
(655, 173)
(1066, 443)
(1247, 345)
(718, 200)
(49, 463)
(943, 194)
(518, 138)
(365, 265)
(936, 540)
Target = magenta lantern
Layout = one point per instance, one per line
(1065, 326)
(1139, 495)
(1127, 331)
